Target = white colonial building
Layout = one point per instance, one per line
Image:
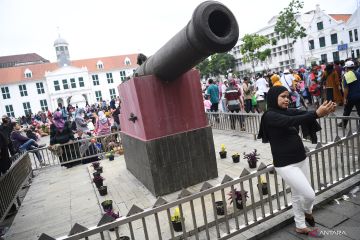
(329, 37)
(29, 87)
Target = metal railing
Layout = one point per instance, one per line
(12, 181)
(330, 165)
(79, 151)
(250, 123)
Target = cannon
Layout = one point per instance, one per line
(166, 136)
(212, 29)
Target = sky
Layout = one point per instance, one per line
(116, 27)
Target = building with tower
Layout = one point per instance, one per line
(39, 85)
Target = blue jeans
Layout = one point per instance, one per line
(31, 145)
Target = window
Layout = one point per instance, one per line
(95, 79)
(43, 105)
(56, 85)
(40, 88)
(23, 91)
(127, 61)
(322, 42)
(324, 58)
(122, 75)
(357, 53)
(27, 108)
(100, 65)
(5, 92)
(320, 26)
(311, 45)
(65, 84)
(112, 93)
(336, 56)
(27, 73)
(334, 39)
(98, 96)
(355, 35)
(72, 82)
(81, 82)
(9, 110)
(109, 78)
(351, 36)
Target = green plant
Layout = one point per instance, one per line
(235, 155)
(222, 148)
(176, 217)
(239, 195)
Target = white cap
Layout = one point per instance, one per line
(349, 64)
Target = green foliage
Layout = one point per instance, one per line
(287, 26)
(250, 49)
(219, 63)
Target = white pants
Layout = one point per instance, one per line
(302, 195)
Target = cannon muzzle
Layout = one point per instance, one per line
(212, 29)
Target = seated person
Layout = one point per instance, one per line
(22, 143)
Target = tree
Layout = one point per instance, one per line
(250, 49)
(287, 26)
(219, 64)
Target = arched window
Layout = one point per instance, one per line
(127, 61)
(27, 73)
(100, 65)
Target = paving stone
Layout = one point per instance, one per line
(328, 218)
(346, 208)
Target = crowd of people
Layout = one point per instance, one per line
(307, 87)
(64, 125)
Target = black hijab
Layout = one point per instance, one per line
(309, 130)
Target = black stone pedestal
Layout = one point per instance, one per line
(168, 164)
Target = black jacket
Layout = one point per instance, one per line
(281, 130)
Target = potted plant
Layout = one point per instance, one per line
(176, 220)
(98, 180)
(235, 157)
(239, 198)
(99, 169)
(96, 174)
(95, 165)
(114, 215)
(107, 205)
(263, 185)
(222, 151)
(102, 190)
(110, 155)
(252, 158)
(219, 208)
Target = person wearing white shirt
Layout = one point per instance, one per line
(287, 81)
(224, 86)
(262, 86)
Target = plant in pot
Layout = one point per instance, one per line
(98, 180)
(102, 190)
(222, 151)
(238, 197)
(114, 215)
(219, 205)
(107, 205)
(96, 165)
(252, 158)
(263, 185)
(235, 157)
(110, 155)
(176, 220)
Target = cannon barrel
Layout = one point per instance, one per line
(212, 29)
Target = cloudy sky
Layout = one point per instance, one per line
(113, 27)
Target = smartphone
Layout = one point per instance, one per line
(329, 94)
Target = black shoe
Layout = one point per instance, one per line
(310, 221)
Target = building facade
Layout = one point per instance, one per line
(329, 37)
(40, 87)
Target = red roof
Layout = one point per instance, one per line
(22, 58)
(16, 74)
(340, 17)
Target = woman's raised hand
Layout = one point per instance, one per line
(326, 108)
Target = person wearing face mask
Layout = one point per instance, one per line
(279, 126)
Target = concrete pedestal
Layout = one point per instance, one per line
(173, 162)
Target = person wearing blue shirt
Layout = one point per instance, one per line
(213, 92)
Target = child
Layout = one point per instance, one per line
(207, 103)
(314, 90)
